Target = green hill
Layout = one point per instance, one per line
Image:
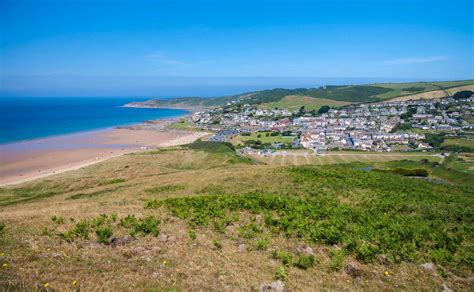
(339, 95)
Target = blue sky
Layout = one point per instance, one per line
(170, 48)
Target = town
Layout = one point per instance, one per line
(380, 127)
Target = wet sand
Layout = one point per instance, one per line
(29, 160)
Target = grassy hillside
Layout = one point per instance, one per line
(201, 218)
(313, 98)
(294, 102)
(438, 89)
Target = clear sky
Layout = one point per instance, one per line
(169, 48)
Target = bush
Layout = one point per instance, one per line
(304, 261)
(80, 230)
(262, 244)
(324, 109)
(148, 225)
(422, 172)
(103, 234)
(463, 94)
(337, 260)
(281, 274)
(285, 257)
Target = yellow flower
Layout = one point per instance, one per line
(386, 273)
(46, 285)
(5, 265)
(165, 262)
(2, 254)
(74, 282)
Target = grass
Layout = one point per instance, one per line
(183, 124)
(204, 202)
(294, 102)
(460, 142)
(302, 157)
(264, 137)
(408, 221)
(400, 89)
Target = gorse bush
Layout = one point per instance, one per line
(389, 215)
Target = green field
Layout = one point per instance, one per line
(201, 218)
(302, 157)
(262, 136)
(460, 142)
(293, 103)
(183, 124)
(398, 88)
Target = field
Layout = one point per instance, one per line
(294, 102)
(460, 142)
(239, 139)
(199, 217)
(183, 124)
(435, 94)
(413, 89)
(301, 157)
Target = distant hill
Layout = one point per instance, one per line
(314, 97)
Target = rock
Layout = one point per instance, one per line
(305, 249)
(242, 248)
(446, 288)
(353, 270)
(119, 241)
(429, 267)
(276, 286)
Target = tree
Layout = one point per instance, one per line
(463, 94)
(324, 109)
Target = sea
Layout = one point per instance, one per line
(27, 118)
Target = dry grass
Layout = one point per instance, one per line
(302, 157)
(36, 255)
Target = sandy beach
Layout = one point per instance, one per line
(29, 160)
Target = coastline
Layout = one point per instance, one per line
(38, 158)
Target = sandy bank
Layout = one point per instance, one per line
(29, 160)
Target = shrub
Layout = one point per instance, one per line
(80, 230)
(148, 225)
(103, 234)
(262, 243)
(304, 261)
(281, 274)
(337, 260)
(285, 257)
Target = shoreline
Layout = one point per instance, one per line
(39, 158)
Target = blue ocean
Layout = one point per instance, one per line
(25, 118)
